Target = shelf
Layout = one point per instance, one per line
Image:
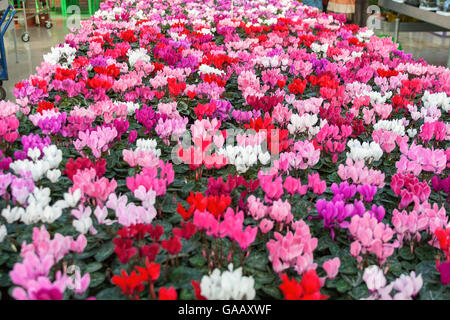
(414, 12)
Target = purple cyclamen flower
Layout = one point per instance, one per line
(378, 212)
(344, 191)
(367, 191)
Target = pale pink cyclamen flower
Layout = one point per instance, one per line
(32, 275)
(256, 208)
(374, 278)
(93, 187)
(371, 236)
(406, 286)
(97, 140)
(294, 250)
(281, 211)
(331, 267)
(360, 174)
(409, 225)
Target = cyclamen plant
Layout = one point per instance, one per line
(171, 150)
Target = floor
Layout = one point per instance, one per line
(29, 54)
(432, 48)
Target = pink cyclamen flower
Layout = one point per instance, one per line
(265, 225)
(316, 184)
(332, 267)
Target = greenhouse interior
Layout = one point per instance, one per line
(224, 150)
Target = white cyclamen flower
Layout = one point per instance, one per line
(230, 285)
(34, 153)
(407, 286)
(12, 215)
(52, 155)
(72, 198)
(299, 124)
(138, 54)
(53, 175)
(64, 55)
(82, 225)
(3, 233)
(364, 151)
(204, 68)
(148, 145)
(50, 214)
(391, 125)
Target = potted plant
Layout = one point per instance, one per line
(428, 4)
(444, 5)
(414, 3)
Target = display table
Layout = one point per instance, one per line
(432, 21)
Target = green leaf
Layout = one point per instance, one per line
(324, 242)
(168, 205)
(110, 294)
(359, 292)
(405, 253)
(197, 261)
(331, 283)
(427, 293)
(257, 261)
(395, 267)
(348, 265)
(183, 275)
(272, 292)
(3, 258)
(187, 294)
(94, 266)
(105, 251)
(425, 253)
(427, 269)
(97, 278)
(188, 187)
(343, 286)
(5, 281)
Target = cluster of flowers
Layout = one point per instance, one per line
(344, 138)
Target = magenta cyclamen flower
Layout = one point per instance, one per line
(367, 192)
(232, 226)
(316, 184)
(271, 185)
(334, 213)
(343, 192)
(444, 269)
(146, 117)
(294, 186)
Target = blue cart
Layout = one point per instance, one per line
(4, 24)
